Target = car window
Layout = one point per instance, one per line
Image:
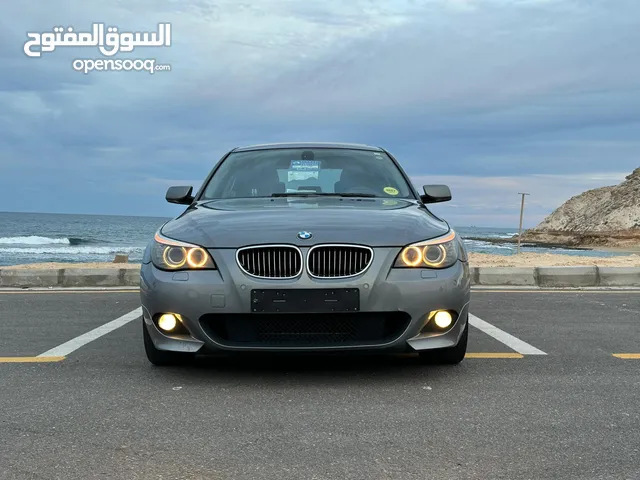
(261, 173)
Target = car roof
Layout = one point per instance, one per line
(271, 146)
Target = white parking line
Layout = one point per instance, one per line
(509, 340)
(75, 343)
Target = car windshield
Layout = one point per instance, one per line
(311, 171)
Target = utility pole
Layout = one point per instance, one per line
(521, 217)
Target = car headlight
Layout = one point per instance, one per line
(437, 253)
(170, 254)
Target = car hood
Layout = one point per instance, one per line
(233, 223)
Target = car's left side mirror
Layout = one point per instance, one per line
(180, 195)
(435, 194)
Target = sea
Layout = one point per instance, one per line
(47, 237)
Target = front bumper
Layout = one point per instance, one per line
(203, 294)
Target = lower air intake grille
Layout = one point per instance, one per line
(270, 261)
(308, 330)
(338, 261)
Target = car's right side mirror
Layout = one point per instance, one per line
(435, 194)
(179, 195)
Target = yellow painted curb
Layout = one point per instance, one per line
(494, 355)
(30, 359)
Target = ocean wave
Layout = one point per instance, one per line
(38, 240)
(33, 240)
(485, 247)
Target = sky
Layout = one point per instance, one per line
(492, 97)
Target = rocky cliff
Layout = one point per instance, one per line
(608, 216)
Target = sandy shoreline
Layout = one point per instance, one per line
(475, 259)
(57, 266)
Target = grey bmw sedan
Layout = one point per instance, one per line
(306, 248)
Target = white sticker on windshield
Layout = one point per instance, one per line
(305, 165)
(303, 170)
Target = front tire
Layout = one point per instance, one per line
(447, 356)
(162, 358)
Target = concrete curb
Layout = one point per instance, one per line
(507, 276)
(542, 277)
(98, 277)
(70, 277)
(619, 276)
(556, 277)
(568, 276)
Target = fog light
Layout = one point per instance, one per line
(167, 322)
(443, 319)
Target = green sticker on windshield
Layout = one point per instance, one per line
(391, 191)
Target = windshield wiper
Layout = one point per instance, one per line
(323, 194)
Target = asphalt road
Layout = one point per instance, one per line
(104, 412)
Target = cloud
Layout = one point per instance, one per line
(494, 95)
(495, 201)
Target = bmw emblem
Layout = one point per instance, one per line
(304, 235)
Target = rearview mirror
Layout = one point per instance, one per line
(179, 195)
(435, 194)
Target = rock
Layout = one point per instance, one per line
(121, 258)
(608, 216)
